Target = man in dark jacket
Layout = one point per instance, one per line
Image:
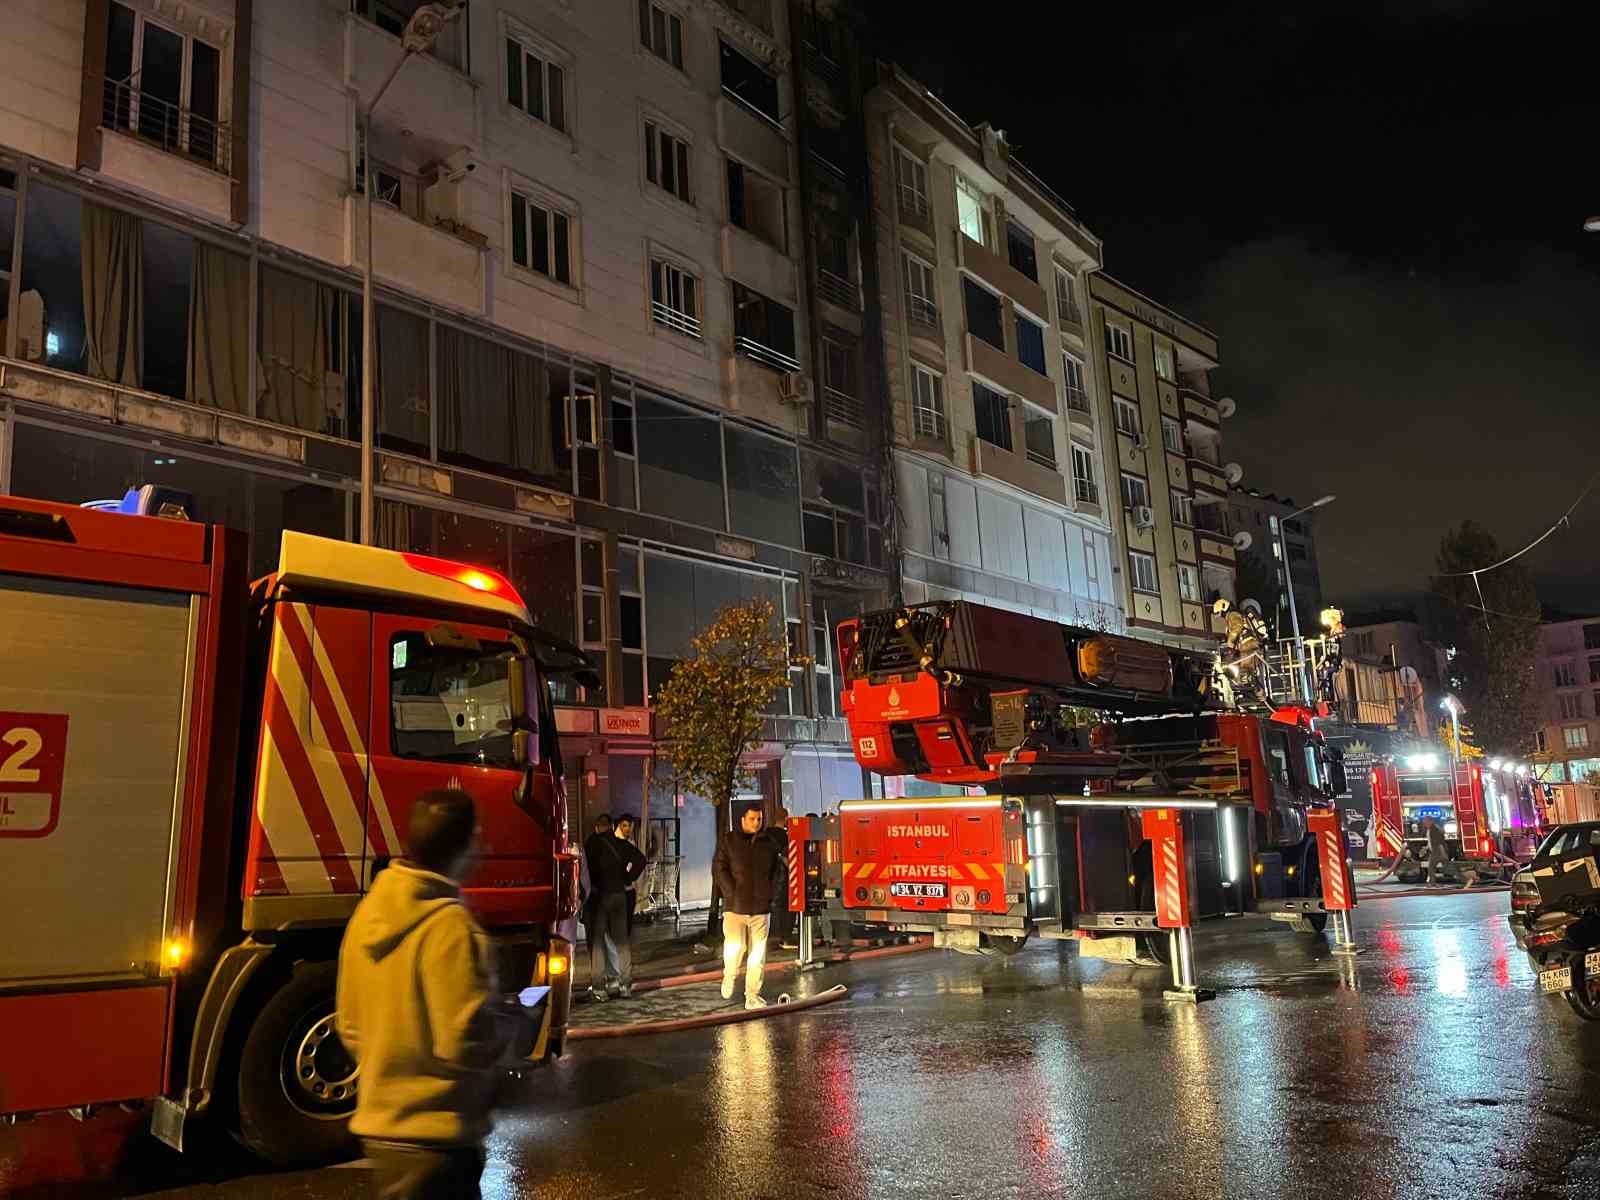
(745, 868)
(613, 866)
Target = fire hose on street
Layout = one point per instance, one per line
(782, 1007)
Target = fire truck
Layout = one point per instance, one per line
(200, 777)
(1488, 813)
(1121, 797)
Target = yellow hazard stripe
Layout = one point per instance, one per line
(976, 869)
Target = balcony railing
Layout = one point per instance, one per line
(928, 421)
(673, 319)
(1043, 458)
(1078, 399)
(921, 311)
(824, 68)
(765, 354)
(162, 123)
(835, 289)
(1086, 490)
(843, 408)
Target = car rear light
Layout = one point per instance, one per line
(1548, 938)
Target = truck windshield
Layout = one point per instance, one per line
(451, 705)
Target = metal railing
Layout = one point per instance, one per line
(176, 130)
(1077, 399)
(764, 354)
(921, 311)
(673, 319)
(927, 421)
(835, 289)
(1086, 490)
(1042, 458)
(843, 408)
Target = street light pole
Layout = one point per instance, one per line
(421, 32)
(1302, 680)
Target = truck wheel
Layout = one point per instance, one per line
(297, 1084)
(1585, 994)
(1155, 950)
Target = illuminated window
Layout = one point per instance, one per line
(1164, 363)
(1576, 737)
(1188, 582)
(972, 213)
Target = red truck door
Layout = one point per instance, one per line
(441, 719)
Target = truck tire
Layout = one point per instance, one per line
(1155, 950)
(1585, 994)
(1312, 923)
(296, 1086)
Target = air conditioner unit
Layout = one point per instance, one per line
(794, 388)
(1144, 517)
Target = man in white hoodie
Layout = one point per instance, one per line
(419, 1010)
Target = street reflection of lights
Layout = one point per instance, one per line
(1452, 968)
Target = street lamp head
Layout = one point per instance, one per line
(1324, 500)
(1591, 224)
(425, 26)
(1451, 705)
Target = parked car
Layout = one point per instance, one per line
(1555, 915)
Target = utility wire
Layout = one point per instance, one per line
(1559, 522)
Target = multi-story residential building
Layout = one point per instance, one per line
(999, 492)
(593, 329)
(1568, 673)
(1393, 638)
(1163, 456)
(1277, 527)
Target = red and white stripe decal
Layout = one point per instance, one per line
(796, 897)
(1334, 892)
(1167, 884)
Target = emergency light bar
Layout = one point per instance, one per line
(1114, 800)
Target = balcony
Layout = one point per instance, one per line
(1197, 407)
(1078, 406)
(843, 408)
(1010, 374)
(426, 259)
(999, 274)
(914, 210)
(665, 314)
(1071, 317)
(431, 96)
(765, 355)
(1016, 469)
(167, 151)
(1086, 491)
(835, 289)
(754, 139)
(759, 264)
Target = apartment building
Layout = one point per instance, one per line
(1279, 532)
(596, 347)
(1163, 455)
(1567, 745)
(999, 495)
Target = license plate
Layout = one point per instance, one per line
(1591, 965)
(919, 891)
(1557, 980)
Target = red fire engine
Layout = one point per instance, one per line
(198, 780)
(1109, 831)
(1488, 813)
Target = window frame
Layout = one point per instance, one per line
(553, 206)
(663, 312)
(916, 187)
(754, 349)
(1116, 339)
(1067, 296)
(725, 47)
(1160, 354)
(984, 207)
(1128, 493)
(1570, 706)
(1084, 482)
(1136, 558)
(1172, 435)
(1188, 583)
(1021, 318)
(1032, 413)
(922, 308)
(1182, 509)
(670, 17)
(1118, 407)
(657, 132)
(1004, 401)
(1020, 242)
(937, 426)
(1575, 737)
(184, 143)
(549, 55)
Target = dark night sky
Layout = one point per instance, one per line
(1377, 208)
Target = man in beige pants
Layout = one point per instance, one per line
(746, 868)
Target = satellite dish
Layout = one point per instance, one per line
(1226, 407)
(1242, 540)
(1252, 605)
(1234, 472)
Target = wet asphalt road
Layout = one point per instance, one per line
(1431, 1069)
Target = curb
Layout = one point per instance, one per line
(788, 964)
(583, 1034)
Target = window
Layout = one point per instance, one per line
(666, 161)
(921, 307)
(749, 84)
(983, 314)
(164, 86)
(756, 204)
(1566, 676)
(1591, 637)
(973, 214)
(592, 613)
(1171, 435)
(1143, 568)
(1020, 252)
(1576, 737)
(836, 271)
(630, 626)
(763, 329)
(624, 491)
(535, 84)
(1182, 508)
(1570, 705)
(840, 515)
(1072, 373)
(661, 32)
(1163, 355)
(763, 485)
(1118, 342)
(1541, 743)
(1188, 582)
(1066, 296)
(1030, 344)
(911, 178)
(450, 705)
(1083, 484)
(840, 399)
(990, 411)
(927, 403)
(1127, 415)
(1135, 492)
(674, 297)
(1594, 670)
(679, 452)
(1039, 435)
(541, 238)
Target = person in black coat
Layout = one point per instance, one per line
(746, 869)
(613, 866)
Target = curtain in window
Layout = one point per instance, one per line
(490, 404)
(219, 329)
(530, 415)
(113, 284)
(403, 377)
(295, 355)
(395, 527)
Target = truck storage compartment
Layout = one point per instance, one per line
(117, 1037)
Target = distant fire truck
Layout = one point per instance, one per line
(200, 778)
(1487, 813)
(1115, 829)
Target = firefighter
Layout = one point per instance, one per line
(417, 1006)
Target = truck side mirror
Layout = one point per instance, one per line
(1337, 779)
(522, 680)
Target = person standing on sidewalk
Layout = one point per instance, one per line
(1436, 850)
(745, 867)
(417, 1007)
(624, 827)
(613, 865)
